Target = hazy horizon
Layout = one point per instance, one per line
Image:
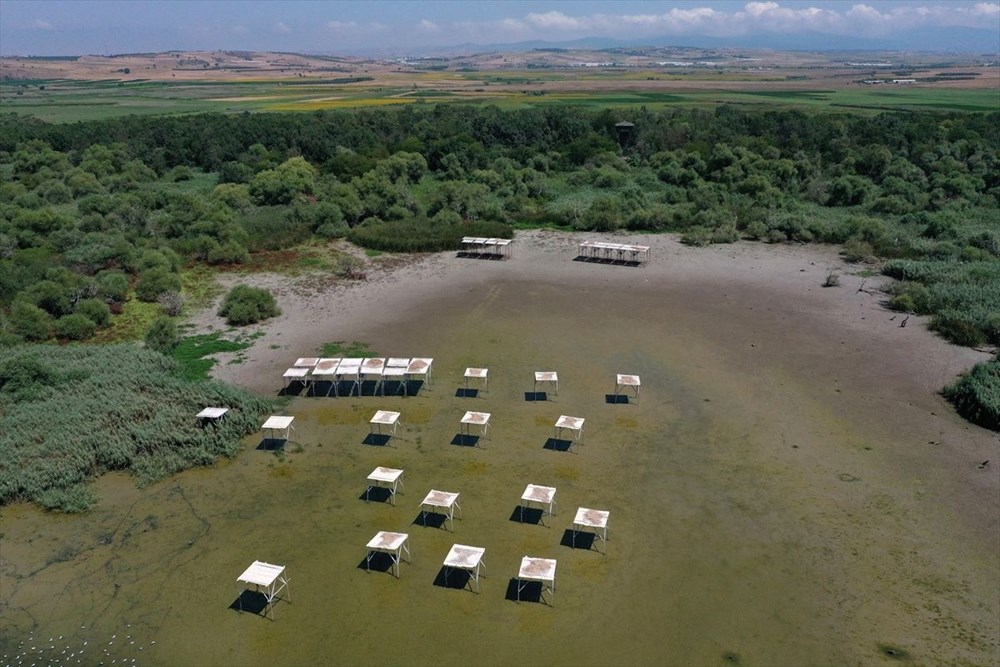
(394, 27)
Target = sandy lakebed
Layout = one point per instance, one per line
(790, 489)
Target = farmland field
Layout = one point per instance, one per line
(70, 90)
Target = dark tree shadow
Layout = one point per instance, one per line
(377, 439)
(584, 540)
(532, 515)
(464, 440)
(558, 445)
(452, 577)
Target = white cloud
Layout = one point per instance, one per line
(41, 24)
(339, 26)
(282, 28)
(754, 16)
(428, 26)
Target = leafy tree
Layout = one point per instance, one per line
(849, 191)
(248, 305)
(282, 184)
(50, 296)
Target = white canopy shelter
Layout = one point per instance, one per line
(306, 362)
(372, 368)
(545, 496)
(478, 373)
(395, 370)
(537, 569)
(325, 370)
(470, 559)
(296, 374)
(614, 252)
(349, 370)
(492, 247)
(277, 423)
(574, 424)
(393, 544)
(595, 521)
(389, 478)
(211, 415)
(267, 579)
(627, 382)
(421, 367)
(481, 419)
(384, 418)
(541, 377)
(444, 500)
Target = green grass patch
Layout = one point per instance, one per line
(192, 353)
(339, 348)
(199, 286)
(73, 413)
(131, 325)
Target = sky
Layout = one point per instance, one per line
(350, 27)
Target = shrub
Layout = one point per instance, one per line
(154, 282)
(95, 310)
(172, 303)
(230, 252)
(958, 327)
(75, 327)
(697, 236)
(856, 250)
(29, 321)
(725, 234)
(976, 396)
(162, 335)
(248, 305)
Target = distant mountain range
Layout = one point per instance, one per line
(966, 41)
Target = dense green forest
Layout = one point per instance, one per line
(98, 216)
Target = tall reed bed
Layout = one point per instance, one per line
(69, 414)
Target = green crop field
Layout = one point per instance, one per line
(63, 100)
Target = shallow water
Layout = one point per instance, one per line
(775, 499)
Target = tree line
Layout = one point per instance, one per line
(94, 213)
